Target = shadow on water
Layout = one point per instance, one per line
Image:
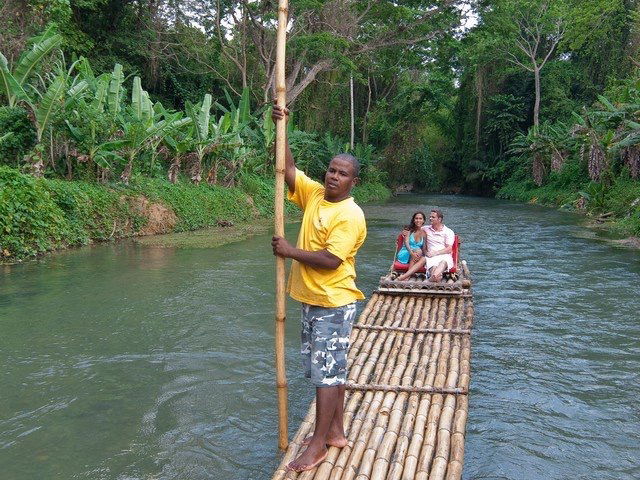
(126, 361)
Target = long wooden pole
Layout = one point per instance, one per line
(281, 132)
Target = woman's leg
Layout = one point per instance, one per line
(413, 268)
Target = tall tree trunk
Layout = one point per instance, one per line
(536, 106)
(174, 169)
(365, 138)
(126, 173)
(154, 46)
(353, 115)
(479, 94)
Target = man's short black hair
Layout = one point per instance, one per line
(353, 160)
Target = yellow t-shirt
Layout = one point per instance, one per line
(340, 229)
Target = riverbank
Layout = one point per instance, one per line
(43, 215)
(615, 209)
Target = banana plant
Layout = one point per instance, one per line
(177, 122)
(268, 129)
(179, 144)
(593, 130)
(200, 116)
(99, 152)
(46, 107)
(13, 83)
(141, 128)
(90, 124)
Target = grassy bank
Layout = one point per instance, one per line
(616, 202)
(40, 215)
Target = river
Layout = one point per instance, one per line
(122, 361)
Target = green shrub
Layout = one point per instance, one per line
(370, 192)
(30, 221)
(22, 135)
(92, 212)
(196, 206)
(37, 215)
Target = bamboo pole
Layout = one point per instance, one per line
(407, 389)
(456, 331)
(281, 126)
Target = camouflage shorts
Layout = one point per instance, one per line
(325, 341)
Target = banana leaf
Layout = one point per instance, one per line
(74, 93)
(101, 158)
(604, 101)
(9, 86)
(49, 103)
(114, 95)
(75, 132)
(100, 94)
(84, 68)
(632, 139)
(140, 102)
(244, 107)
(29, 60)
(200, 118)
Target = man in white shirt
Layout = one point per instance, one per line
(439, 247)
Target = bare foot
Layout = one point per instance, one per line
(309, 459)
(404, 276)
(337, 441)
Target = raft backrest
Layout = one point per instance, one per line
(455, 253)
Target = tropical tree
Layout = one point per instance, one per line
(532, 30)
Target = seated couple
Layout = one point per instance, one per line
(427, 246)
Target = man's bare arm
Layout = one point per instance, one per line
(318, 259)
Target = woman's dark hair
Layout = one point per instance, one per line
(412, 225)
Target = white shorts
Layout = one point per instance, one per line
(435, 261)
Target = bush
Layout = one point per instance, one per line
(22, 138)
(30, 221)
(37, 215)
(196, 206)
(370, 192)
(91, 211)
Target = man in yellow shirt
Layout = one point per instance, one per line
(323, 278)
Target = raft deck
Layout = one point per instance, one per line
(406, 402)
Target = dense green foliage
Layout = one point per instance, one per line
(182, 51)
(570, 140)
(38, 215)
(17, 135)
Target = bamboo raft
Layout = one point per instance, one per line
(406, 404)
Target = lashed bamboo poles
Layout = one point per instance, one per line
(401, 434)
(421, 356)
(415, 330)
(372, 426)
(281, 374)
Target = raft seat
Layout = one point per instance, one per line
(403, 267)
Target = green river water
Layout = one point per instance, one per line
(123, 361)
